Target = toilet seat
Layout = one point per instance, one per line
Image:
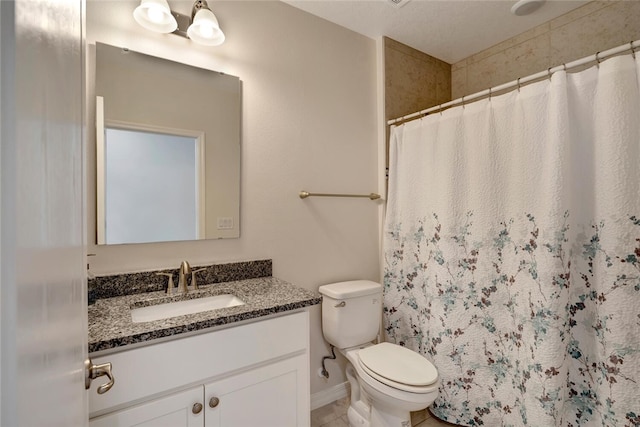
(398, 367)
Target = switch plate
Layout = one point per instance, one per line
(225, 223)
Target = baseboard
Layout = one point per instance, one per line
(329, 395)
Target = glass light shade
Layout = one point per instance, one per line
(205, 29)
(155, 15)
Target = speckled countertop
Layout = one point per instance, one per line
(110, 324)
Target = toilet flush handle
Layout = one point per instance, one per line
(341, 304)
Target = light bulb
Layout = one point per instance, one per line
(206, 31)
(155, 15)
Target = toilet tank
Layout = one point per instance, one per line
(351, 312)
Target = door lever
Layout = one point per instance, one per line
(91, 372)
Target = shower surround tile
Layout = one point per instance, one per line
(611, 27)
(459, 81)
(579, 13)
(480, 75)
(532, 54)
(596, 26)
(413, 80)
(499, 68)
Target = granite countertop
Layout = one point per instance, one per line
(110, 324)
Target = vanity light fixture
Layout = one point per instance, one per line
(202, 26)
(155, 15)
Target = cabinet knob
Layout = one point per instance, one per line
(213, 402)
(197, 408)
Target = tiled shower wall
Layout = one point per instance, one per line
(413, 80)
(594, 27)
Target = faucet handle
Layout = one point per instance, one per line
(194, 283)
(170, 285)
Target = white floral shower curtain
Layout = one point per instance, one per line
(512, 251)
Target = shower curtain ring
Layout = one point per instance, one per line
(633, 50)
(489, 94)
(598, 59)
(564, 67)
(549, 73)
(463, 101)
(440, 109)
(518, 83)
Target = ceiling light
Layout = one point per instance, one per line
(525, 7)
(155, 15)
(202, 26)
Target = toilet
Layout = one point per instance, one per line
(387, 381)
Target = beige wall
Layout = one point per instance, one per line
(595, 27)
(413, 80)
(309, 123)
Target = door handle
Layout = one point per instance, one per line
(91, 372)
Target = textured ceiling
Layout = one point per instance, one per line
(450, 30)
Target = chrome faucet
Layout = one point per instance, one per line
(185, 270)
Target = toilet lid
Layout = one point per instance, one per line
(398, 364)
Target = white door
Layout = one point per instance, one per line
(43, 294)
(181, 409)
(269, 396)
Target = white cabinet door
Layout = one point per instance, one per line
(175, 410)
(273, 395)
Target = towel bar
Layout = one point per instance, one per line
(305, 194)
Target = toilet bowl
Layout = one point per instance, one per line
(391, 396)
(387, 381)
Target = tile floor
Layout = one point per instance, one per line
(335, 415)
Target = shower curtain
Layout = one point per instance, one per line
(512, 251)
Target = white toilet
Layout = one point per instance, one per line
(387, 381)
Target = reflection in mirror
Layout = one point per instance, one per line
(140, 169)
(167, 150)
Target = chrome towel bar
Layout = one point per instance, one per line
(305, 194)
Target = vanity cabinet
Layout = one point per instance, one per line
(256, 374)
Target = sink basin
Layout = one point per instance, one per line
(180, 308)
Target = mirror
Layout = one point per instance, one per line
(167, 150)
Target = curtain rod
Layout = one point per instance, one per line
(598, 57)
